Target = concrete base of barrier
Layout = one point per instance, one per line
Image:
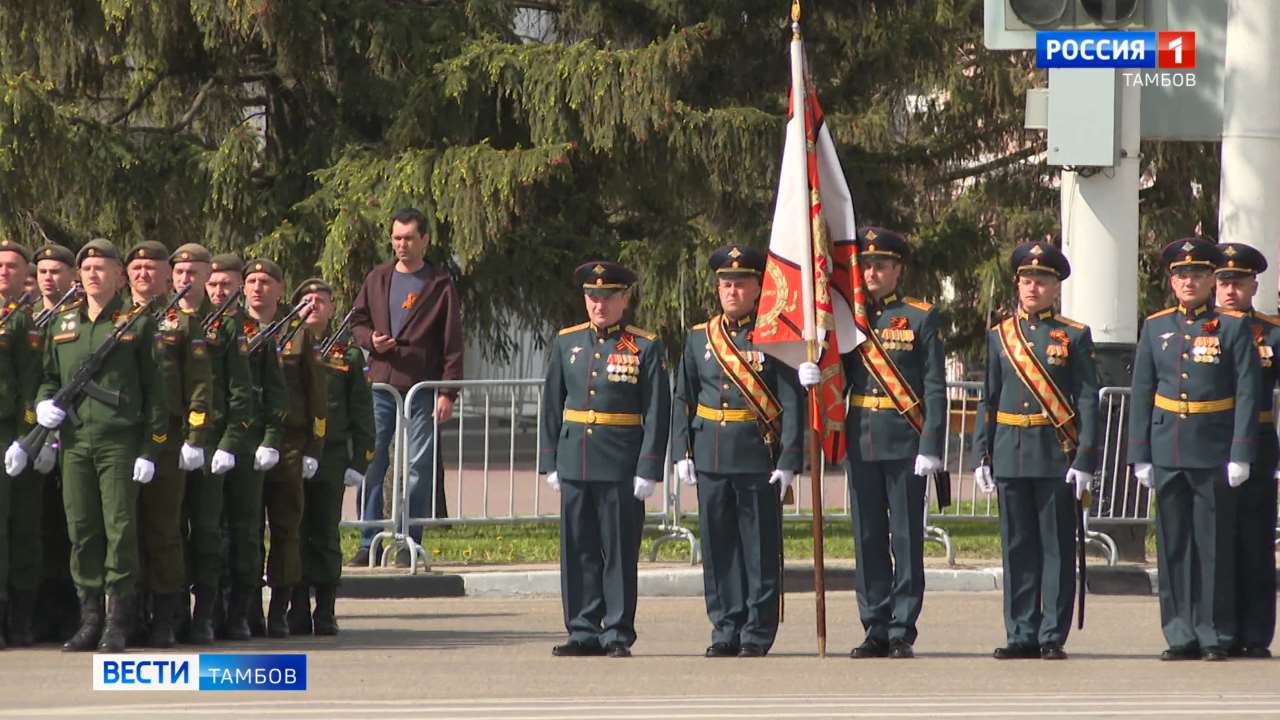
(684, 581)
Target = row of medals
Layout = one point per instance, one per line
(897, 339)
(1056, 354)
(1206, 349)
(624, 368)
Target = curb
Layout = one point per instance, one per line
(687, 582)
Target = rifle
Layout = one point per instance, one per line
(82, 384)
(274, 327)
(15, 307)
(343, 328)
(173, 302)
(302, 319)
(45, 316)
(216, 315)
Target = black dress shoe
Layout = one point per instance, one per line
(749, 651)
(617, 650)
(871, 648)
(1214, 653)
(1185, 652)
(901, 650)
(1257, 652)
(1235, 651)
(1052, 651)
(721, 649)
(573, 648)
(1016, 652)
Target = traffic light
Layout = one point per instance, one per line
(1075, 14)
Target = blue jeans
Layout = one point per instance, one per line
(422, 450)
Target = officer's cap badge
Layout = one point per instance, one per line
(735, 253)
(1230, 251)
(598, 269)
(1188, 247)
(1037, 250)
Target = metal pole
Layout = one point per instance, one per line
(1247, 210)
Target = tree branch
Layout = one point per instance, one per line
(989, 166)
(137, 101)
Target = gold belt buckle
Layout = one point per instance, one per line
(719, 415)
(591, 417)
(1184, 407)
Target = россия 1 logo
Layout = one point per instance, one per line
(1116, 49)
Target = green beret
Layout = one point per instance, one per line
(311, 285)
(11, 246)
(147, 250)
(227, 262)
(190, 252)
(54, 251)
(97, 247)
(263, 265)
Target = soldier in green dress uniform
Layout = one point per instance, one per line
(1193, 434)
(606, 413)
(1040, 469)
(738, 435)
(1237, 283)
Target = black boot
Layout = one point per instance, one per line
(325, 619)
(237, 625)
(164, 610)
(21, 605)
(182, 614)
(220, 613)
(300, 610)
(277, 622)
(86, 637)
(140, 623)
(120, 616)
(253, 615)
(200, 631)
(68, 618)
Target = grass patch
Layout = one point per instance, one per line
(540, 543)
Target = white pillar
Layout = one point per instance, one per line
(1100, 234)
(1249, 203)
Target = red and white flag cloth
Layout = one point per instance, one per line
(812, 288)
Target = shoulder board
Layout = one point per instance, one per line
(699, 326)
(1230, 313)
(641, 333)
(917, 303)
(1268, 319)
(575, 328)
(1162, 313)
(1069, 322)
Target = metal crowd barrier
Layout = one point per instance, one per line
(389, 530)
(493, 438)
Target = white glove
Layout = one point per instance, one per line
(1237, 472)
(222, 462)
(553, 480)
(810, 374)
(49, 415)
(265, 458)
(15, 460)
(309, 467)
(1142, 471)
(47, 458)
(927, 465)
(783, 479)
(686, 472)
(1080, 479)
(190, 458)
(143, 470)
(351, 478)
(982, 476)
(643, 488)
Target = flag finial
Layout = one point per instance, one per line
(795, 11)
